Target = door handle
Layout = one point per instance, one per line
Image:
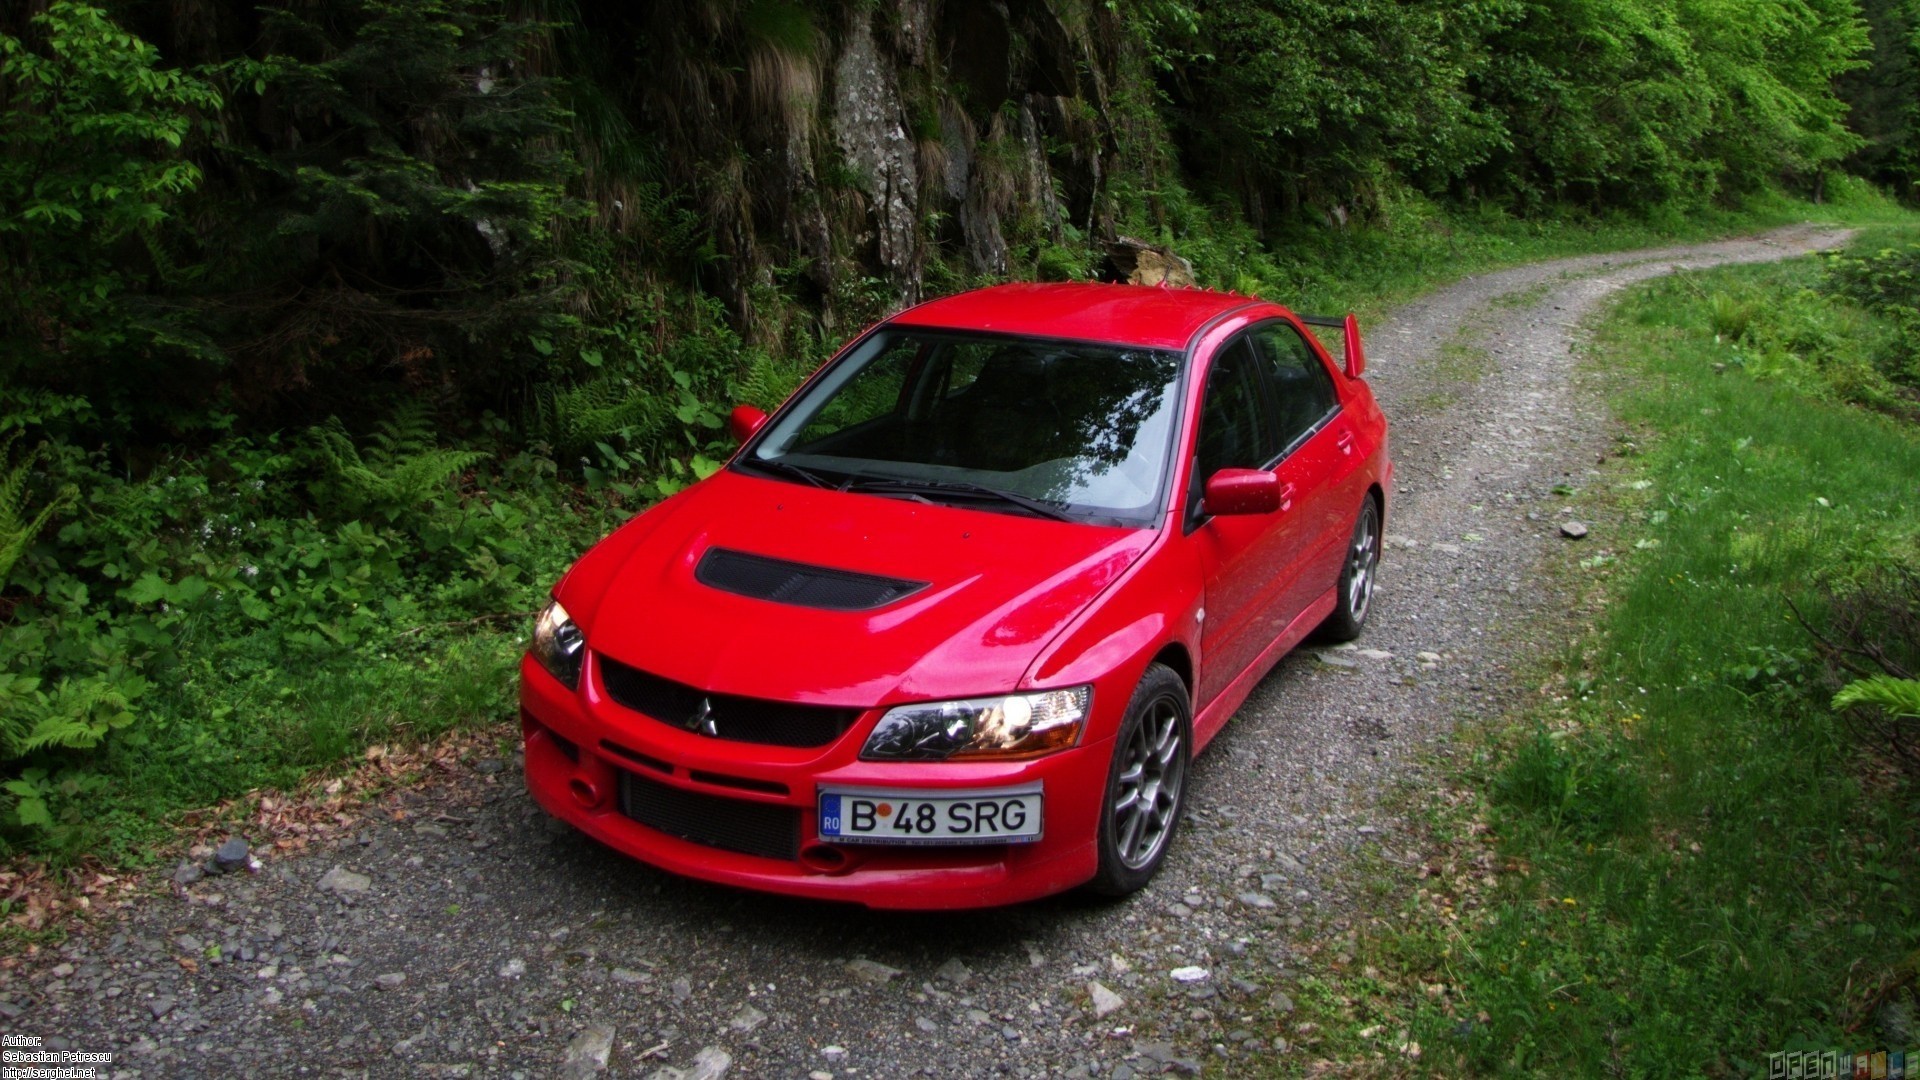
(1286, 497)
(1345, 442)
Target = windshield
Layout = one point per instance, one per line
(1019, 425)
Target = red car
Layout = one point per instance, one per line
(948, 629)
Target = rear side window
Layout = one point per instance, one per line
(1303, 392)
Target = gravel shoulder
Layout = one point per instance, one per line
(457, 931)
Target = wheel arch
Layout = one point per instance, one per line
(1175, 656)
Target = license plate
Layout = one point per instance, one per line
(863, 816)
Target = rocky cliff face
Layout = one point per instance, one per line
(849, 147)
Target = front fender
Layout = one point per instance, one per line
(1156, 603)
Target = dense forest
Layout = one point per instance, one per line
(225, 211)
(330, 329)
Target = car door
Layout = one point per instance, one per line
(1238, 554)
(1317, 464)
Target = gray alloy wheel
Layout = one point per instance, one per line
(1357, 573)
(1146, 786)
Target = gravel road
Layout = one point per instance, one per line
(459, 932)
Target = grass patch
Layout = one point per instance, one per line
(1464, 358)
(1676, 861)
(1525, 298)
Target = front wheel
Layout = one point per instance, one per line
(1355, 592)
(1146, 784)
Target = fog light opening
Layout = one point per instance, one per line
(586, 792)
(824, 859)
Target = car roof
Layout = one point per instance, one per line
(1149, 316)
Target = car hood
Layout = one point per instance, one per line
(999, 588)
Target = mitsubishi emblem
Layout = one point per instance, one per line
(702, 719)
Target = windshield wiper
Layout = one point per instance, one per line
(957, 487)
(788, 469)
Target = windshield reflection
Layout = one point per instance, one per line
(1081, 427)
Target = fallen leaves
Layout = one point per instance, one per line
(39, 900)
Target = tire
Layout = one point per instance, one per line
(1354, 595)
(1151, 755)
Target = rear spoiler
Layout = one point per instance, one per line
(1355, 354)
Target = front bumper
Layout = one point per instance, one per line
(583, 749)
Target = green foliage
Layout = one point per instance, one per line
(1654, 101)
(1883, 98)
(17, 530)
(1827, 337)
(1311, 104)
(1731, 317)
(639, 411)
(607, 408)
(85, 118)
(241, 615)
(91, 134)
(1168, 31)
(780, 24)
(1544, 102)
(1886, 282)
(400, 471)
(1900, 697)
(1869, 640)
(401, 219)
(767, 382)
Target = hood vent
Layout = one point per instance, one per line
(794, 583)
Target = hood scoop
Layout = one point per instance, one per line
(784, 582)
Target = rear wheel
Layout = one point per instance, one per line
(1146, 784)
(1355, 591)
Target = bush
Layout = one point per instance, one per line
(1886, 283)
(1838, 333)
(1871, 645)
(258, 606)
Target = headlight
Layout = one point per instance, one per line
(559, 645)
(1010, 726)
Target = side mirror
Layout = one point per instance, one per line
(1241, 491)
(744, 420)
(1356, 355)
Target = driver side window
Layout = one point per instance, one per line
(1236, 430)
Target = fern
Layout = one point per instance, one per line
(1899, 697)
(17, 530)
(608, 409)
(79, 713)
(766, 382)
(398, 471)
(21, 704)
(76, 713)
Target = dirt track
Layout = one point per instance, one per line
(502, 937)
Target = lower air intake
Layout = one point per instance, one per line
(750, 828)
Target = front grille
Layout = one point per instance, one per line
(739, 719)
(795, 583)
(750, 828)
